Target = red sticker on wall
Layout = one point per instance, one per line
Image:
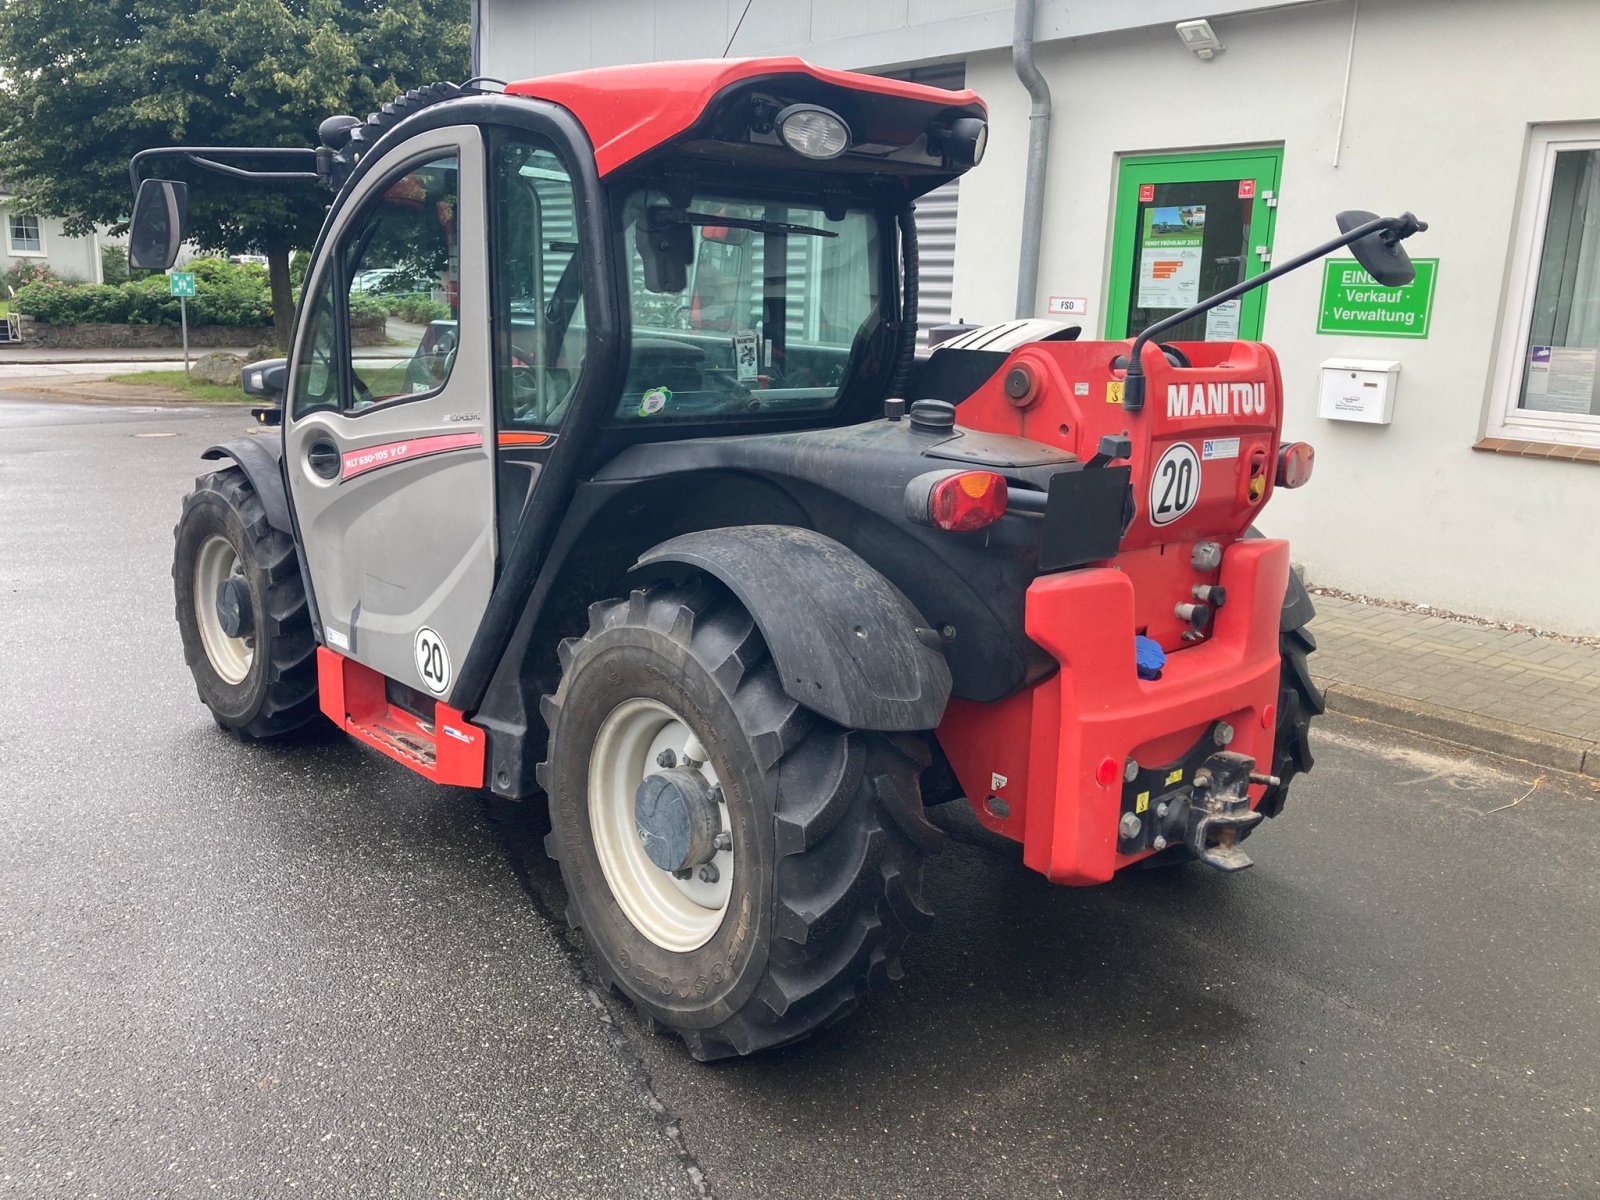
(1247, 189)
(1147, 193)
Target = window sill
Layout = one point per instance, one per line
(14, 253)
(1524, 449)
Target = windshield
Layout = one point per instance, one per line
(744, 307)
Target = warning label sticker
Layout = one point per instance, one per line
(1219, 448)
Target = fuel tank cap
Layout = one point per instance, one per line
(933, 416)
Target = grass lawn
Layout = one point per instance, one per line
(174, 381)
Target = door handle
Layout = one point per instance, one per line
(324, 459)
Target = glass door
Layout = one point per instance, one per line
(1188, 226)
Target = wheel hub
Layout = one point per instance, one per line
(675, 812)
(233, 608)
(663, 841)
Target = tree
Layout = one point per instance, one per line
(83, 86)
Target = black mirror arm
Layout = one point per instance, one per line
(1393, 229)
(207, 156)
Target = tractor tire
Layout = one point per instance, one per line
(822, 833)
(1299, 700)
(259, 681)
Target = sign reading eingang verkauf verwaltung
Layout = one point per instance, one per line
(1354, 302)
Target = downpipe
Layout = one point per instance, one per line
(1038, 155)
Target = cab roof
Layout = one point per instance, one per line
(628, 111)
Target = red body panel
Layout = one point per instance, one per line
(1038, 751)
(630, 110)
(354, 698)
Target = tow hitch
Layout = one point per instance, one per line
(1208, 810)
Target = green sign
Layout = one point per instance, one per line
(180, 283)
(1354, 302)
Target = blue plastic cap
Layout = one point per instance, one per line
(1149, 657)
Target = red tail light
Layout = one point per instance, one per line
(1295, 461)
(967, 501)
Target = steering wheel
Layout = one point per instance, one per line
(1175, 357)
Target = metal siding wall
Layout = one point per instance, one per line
(936, 221)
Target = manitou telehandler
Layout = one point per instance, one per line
(609, 471)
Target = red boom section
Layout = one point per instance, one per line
(449, 749)
(630, 110)
(1052, 756)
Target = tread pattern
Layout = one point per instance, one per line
(285, 633)
(850, 836)
(366, 135)
(1299, 700)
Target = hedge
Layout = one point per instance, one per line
(230, 294)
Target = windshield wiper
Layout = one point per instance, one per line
(660, 217)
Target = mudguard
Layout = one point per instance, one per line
(847, 644)
(260, 458)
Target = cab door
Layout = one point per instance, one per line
(389, 433)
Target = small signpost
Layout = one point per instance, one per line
(181, 285)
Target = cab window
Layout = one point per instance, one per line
(403, 300)
(539, 320)
(746, 307)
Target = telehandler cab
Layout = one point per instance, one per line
(609, 471)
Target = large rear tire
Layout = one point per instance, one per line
(252, 666)
(1299, 700)
(818, 880)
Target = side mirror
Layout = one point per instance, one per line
(268, 379)
(156, 231)
(1380, 254)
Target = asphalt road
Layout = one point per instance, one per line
(248, 971)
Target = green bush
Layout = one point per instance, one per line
(230, 294)
(415, 308)
(366, 309)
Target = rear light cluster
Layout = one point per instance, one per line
(960, 502)
(968, 501)
(1295, 461)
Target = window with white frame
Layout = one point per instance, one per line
(1548, 383)
(23, 235)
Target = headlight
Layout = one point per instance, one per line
(812, 131)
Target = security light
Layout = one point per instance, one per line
(1199, 37)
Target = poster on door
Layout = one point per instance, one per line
(1169, 256)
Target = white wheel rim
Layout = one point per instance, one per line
(676, 914)
(230, 657)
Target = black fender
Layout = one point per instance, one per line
(260, 459)
(847, 643)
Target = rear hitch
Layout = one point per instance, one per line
(1202, 800)
(1219, 811)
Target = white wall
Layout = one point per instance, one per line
(72, 257)
(1441, 99)
(518, 39)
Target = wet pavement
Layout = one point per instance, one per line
(253, 971)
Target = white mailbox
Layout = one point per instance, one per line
(1358, 389)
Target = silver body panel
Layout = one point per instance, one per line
(410, 544)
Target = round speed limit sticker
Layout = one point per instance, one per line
(433, 661)
(1175, 483)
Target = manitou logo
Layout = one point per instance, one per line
(1216, 400)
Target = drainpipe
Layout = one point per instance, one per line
(1038, 154)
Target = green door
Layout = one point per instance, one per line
(1188, 226)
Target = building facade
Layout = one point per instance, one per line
(1172, 174)
(28, 239)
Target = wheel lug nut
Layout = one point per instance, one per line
(709, 873)
(667, 758)
(724, 841)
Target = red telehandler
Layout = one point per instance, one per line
(609, 473)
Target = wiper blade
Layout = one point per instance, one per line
(660, 217)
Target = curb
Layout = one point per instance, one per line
(157, 397)
(1467, 730)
